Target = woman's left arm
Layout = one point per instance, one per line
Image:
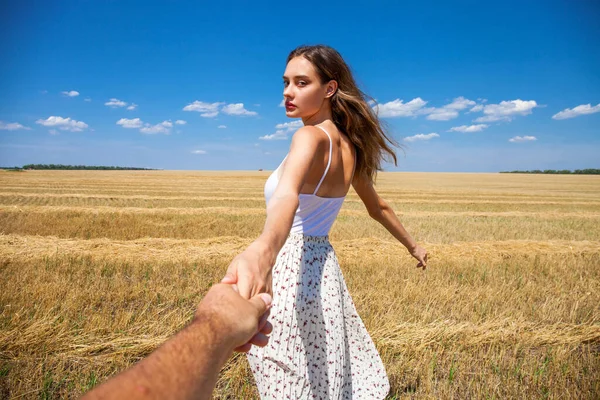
(251, 270)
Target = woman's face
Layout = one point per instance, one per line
(303, 92)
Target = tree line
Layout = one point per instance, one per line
(588, 171)
(79, 167)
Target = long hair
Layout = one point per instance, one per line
(350, 111)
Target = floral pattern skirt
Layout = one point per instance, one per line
(319, 347)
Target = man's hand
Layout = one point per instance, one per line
(238, 322)
(187, 365)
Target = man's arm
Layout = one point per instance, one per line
(187, 365)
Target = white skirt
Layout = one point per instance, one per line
(319, 347)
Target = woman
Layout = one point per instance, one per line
(319, 347)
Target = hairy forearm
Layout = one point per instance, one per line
(280, 216)
(387, 217)
(184, 367)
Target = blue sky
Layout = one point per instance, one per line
(464, 86)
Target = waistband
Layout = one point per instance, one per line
(301, 238)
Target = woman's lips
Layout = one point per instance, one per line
(289, 106)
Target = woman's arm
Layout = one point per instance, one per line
(251, 270)
(381, 212)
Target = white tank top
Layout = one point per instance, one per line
(315, 215)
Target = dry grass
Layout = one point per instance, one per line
(98, 268)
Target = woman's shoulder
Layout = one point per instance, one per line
(310, 135)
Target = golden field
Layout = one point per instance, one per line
(100, 267)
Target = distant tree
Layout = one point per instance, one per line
(589, 171)
(81, 167)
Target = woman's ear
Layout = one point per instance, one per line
(331, 88)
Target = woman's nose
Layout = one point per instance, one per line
(287, 91)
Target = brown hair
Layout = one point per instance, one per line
(350, 111)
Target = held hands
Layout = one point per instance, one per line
(250, 274)
(251, 271)
(421, 255)
(236, 321)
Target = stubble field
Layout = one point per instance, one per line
(100, 267)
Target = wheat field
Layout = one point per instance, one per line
(100, 267)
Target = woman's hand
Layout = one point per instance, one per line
(250, 271)
(421, 255)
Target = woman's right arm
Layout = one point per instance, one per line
(381, 212)
(251, 270)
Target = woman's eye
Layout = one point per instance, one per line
(301, 83)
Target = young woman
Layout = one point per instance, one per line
(319, 347)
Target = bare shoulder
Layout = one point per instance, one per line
(310, 133)
(309, 136)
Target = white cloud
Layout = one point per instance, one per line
(207, 110)
(519, 139)
(507, 110)
(12, 126)
(421, 136)
(450, 111)
(53, 132)
(87, 99)
(460, 103)
(198, 151)
(416, 107)
(222, 126)
(290, 126)
(577, 111)
(237, 109)
(180, 122)
(65, 124)
(114, 103)
(283, 130)
(278, 135)
(71, 93)
(282, 104)
(477, 108)
(132, 106)
(442, 114)
(130, 123)
(397, 108)
(163, 127)
(468, 128)
(210, 110)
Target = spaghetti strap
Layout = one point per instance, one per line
(328, 161)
